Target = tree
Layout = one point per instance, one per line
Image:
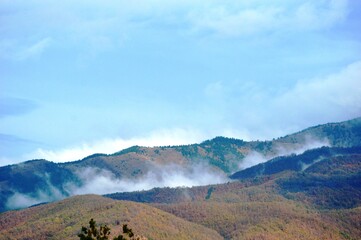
(92, 233)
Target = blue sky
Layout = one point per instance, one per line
(79, 77)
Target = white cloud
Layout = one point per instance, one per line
(258, 114)
(21, 49)
(254, 157)
(48, 194)
(163, 137)
(99, 181)
(104, 182)
(316, 15)
(308, 143)
(252, 111)
(265, 114)
(19, 200)
(33, 50)
(337, 96)
(244, 22)
(253, 114)
(256, 18)
(104, 25)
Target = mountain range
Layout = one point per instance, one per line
(306, 185)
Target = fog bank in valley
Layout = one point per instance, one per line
(99, 181)
(255, 157)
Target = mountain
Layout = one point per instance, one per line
(22, 184)
(64, 219)
(320, 200)
(298, 163)
(138, 168)
(314, 195)
(327, 177)
(224, 154)
(343, 134)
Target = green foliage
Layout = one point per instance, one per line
(189, 150)
(92, 233)
(209, 193)
(96, 155)
(127, 232)
(133, 149)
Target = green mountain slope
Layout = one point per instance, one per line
(342, 134)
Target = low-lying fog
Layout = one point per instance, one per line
(100, 181)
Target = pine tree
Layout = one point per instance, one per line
(92, 233)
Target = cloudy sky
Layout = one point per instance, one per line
(79, 77)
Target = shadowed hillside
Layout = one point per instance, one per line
(294, 162)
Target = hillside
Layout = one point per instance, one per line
(64, 219)
(22, 184)
(327, 177)
(342, 134)
(250, 209)
(294, 162)
(38, 181)
(321, 200)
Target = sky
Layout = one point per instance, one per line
(84, 77)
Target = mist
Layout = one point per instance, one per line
(103, 182)
(100, 181)
(254, 157)
(308, 143)
(20, 200)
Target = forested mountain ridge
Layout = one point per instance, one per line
(40, 180)
(314, 195)
(298, 163)
(333, 170)
(319, 201)
(342, 134)
(311, 195)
